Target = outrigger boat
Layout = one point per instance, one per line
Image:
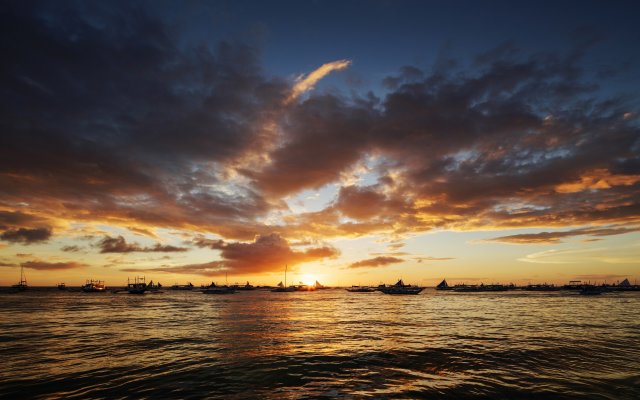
(247, 286)
(591, 290)
(188, 286)
(92, 286)
(62, 286)
(400, 288)
(360, 289)
(138, 286)
(215, 289)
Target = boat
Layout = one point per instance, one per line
(215, 289)
(303, 288)
(360, 289)
(138, 286)
(542, 287)
(246, 286)
(188, 286)
(320, 286)
(92, 286)
(625, 286)
(591, 290)
(22, 286)
(154, 287)
(62, 286)
(401, 288)
(283, 288)
(443, 285)
(573, 285)
(483, 288)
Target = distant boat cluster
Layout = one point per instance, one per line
(140, 286)
(585, 288)
(399, 288)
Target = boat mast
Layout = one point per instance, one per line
(285, 275)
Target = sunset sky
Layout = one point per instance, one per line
(357, 142)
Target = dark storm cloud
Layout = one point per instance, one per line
(118, 244)
(324, 136)
(26, 235)
(107, 115)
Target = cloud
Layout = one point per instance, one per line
(421, 259)
(48, 266)
(565, 256)
(307, 83)
(556, 237)
(118, 244)
(131, 125)
(26, 235)
(376, 262)
(143, 232)
(214, 268)
(71, 249)
(267, 253)
(16, 218)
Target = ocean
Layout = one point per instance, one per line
(323, 344)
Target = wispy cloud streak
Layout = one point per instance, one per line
(306, 83)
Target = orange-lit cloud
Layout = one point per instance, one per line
(598, 179)
(306, 83)
(376, 262)
(49, 266)
(266, 253)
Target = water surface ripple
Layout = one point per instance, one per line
(326, 344)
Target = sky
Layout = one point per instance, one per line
(354, 142)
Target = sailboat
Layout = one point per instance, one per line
(215, 289)
(320, 286)
(284, 288)
(22, 286)
(443, 285)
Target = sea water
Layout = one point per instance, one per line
(323, 344)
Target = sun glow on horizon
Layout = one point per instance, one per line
(309, 279)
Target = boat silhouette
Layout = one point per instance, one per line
(400, 288)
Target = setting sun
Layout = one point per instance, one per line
(309, 279)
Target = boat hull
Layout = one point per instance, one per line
(401, 291)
